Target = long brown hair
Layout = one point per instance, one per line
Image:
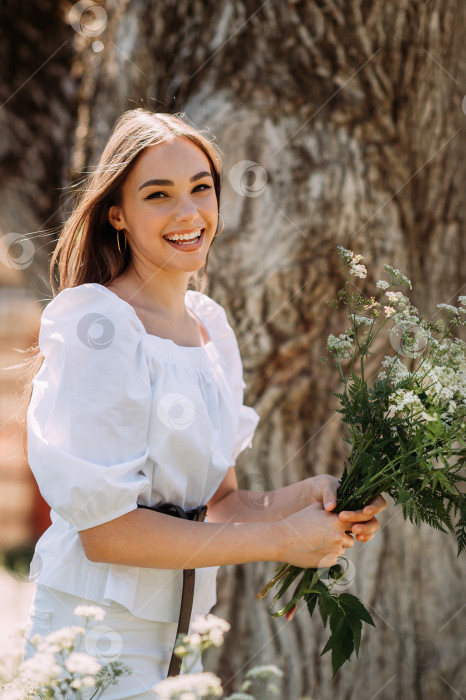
(87, 249)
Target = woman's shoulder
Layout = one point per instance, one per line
(87, 310)
(210, 312)
(215, 318)
(90, 295)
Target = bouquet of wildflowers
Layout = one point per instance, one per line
(406, 432)
(57, 670)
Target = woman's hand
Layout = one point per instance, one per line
(311, 538)
(324, 490)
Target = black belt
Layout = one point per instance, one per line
(187, 596)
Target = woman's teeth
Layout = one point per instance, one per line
(179, 238)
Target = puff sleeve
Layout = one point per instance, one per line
(88, 417)
(226, 341)
(248, 420)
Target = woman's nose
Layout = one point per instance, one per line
(185, 209)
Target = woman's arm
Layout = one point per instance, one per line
(238, 505)
(232, 504)
(149, 539)
(145, 538)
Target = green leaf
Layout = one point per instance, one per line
(311, 600)
(327, 605)
(353, 604)
(341, 641)
(309, 585)
(356, 626)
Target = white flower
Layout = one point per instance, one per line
(397, 369)
(90, 612)
(396, 277)
(346, 255)
(206, 628)
(341, 346)
(349, 258)
(85, 682)
(193, 640)
(358, 270)
(85, 664)
(88, 681)
(389, 311)
(181, 650)
(403, 401)
(263, 672)
(395, 297)
(16, 690)
(444, 384)
(60, 639)
(361, 320)
(382, 284)
(462, 301)
(204, 624)
(40, 668)
(448, 307)
(201, 684)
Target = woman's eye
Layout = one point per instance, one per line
(153, 195)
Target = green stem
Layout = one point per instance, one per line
(283, 570)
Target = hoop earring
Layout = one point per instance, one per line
(219, 232)
(118, 240)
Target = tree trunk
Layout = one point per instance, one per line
(37, 122)
(350, 115)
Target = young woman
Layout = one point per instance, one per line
(139, 401)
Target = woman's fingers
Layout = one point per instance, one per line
(357, 516)
(376, 506)
(366, 530)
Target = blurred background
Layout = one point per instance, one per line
(342, 122)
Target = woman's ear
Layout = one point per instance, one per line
(114, 217)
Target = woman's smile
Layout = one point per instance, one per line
(184, 243)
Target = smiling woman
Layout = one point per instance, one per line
(129, 407)
(185, 212)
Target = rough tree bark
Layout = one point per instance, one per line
(351, 111)
(37, 122)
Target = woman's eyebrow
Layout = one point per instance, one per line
(149, 183)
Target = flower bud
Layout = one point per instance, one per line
(291, 612)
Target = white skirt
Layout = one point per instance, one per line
(144, 645)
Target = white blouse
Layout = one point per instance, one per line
(119, 417)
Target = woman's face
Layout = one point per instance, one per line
(184, 202)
